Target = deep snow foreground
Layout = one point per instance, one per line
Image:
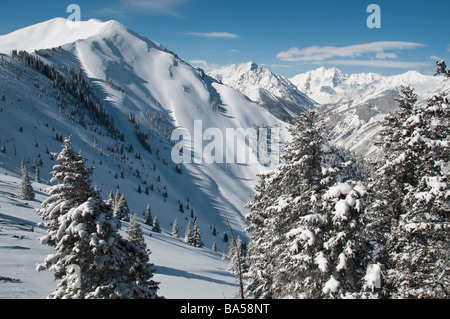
(183, 271)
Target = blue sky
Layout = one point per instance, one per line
(286, 36)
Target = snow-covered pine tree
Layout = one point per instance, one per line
(79, 260)
(392, 173)
(175, 229)
(272, 216)
(305, 234)
(117, 197)
(418, 244)
(26, 189)
(91, 259)
(156, 228)
(121, 209)
(331, 235)
(141, 284)
(196, 235)
(442, 68)
(37, 175)
(74, 188)
(111, 199)
(236, 257)
(188, 234)
(389, 181)
(148, 216)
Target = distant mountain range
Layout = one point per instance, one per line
(352, 105)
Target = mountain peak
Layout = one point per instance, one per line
(253, 66)
(53, 33)
(272, 91)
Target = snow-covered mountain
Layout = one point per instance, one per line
(272, 91)
(330, 86)
(135, 94)
(353, 105)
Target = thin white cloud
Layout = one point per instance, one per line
(215, 35)
(384, 55)
(159, 6)
(376, 63)
(317, 53)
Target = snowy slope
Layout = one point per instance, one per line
(58, 30)
(196, 273)
(132, 74)
(274, 92)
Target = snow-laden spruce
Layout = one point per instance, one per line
(235, 255)
(26, 189)
(193, 235)
(408, 222)
(175, 229)
(91, 259)
(305, 227)
(141, 284)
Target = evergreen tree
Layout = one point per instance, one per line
(305, 233)
(121, 209)
(175, 229)
(188, 234)
(90, 256)
(3, 147)
(26, 189)
(141, 273)
(117, 197)
(214, 247)
(156, 228)
(91, 259)
(148, 216)
(196, 235)
(74, 188)
(442, 68)
(235, 255)
(37, 175)
(410, 212)
(111, 200)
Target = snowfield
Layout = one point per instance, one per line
(183, 271)
(133, 77)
